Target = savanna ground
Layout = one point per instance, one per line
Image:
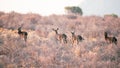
(42, 50)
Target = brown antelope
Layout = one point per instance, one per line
(110, 39)
(76, 38)
(60, 37)
(22, 34)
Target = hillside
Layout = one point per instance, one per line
(42, 50)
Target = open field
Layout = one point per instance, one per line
(42, 50)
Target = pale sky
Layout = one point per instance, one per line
(47, 7)
(100, 7)
(43, 7)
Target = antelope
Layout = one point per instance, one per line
(110, 39)
(60, 37)
(22, 34)
(76, 38)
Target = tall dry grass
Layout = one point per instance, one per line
(42, 50)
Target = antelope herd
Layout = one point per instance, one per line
(63, 37)
(75, 39)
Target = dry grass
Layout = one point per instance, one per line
(42, 50)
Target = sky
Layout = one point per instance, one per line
(48, 7)
(100, 7)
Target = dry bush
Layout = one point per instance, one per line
(42, 50)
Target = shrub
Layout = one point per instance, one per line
(74, 9)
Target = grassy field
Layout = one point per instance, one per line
(42, 50)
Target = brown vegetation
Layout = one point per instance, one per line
(42, 49)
